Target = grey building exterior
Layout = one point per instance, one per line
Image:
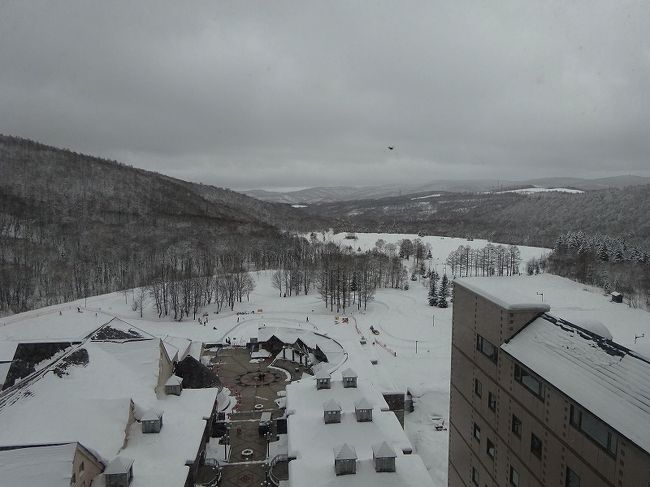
(363, 410)
(537, 401)
(345, 460)
(152, 421)
(119, 472)
(349, 378)
(331, 412)
(383, 457)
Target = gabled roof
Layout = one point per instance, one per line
(119, 465)
(117, 330)
(607, 379)
(383, 450)
(323, 374)
(331, 405)
(345, 452)
(362, 403)
(349, 373)
(174, 380)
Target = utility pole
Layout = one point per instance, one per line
(433, 320)
(416, 346)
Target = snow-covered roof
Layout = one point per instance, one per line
(345, 452)
(4, 370)
(331, 348)
(323, 374)
(118, 330)
(311, 452)
(383, 450)
(331, 405)
(174, 380)
(504, 292)
(38, 465)
(119, 465)
(7, 350)
(152, 414)
(348, 373)
(182, 345)
(606, 379)
(362, 403)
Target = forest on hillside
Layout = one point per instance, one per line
(534, 220)
(73, 225)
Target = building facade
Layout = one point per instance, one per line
(533, 398)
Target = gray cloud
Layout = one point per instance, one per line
(303, 93)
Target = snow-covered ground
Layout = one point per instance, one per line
(441, 247)
(542, 190)
(412, 349)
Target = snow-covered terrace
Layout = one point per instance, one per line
(604, 378)
(312, 442)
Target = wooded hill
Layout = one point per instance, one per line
(63, 214)
(535, 219)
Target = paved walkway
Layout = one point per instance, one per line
(256, 387)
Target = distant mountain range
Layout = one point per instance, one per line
(349, 193)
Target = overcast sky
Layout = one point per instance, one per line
(277, 94)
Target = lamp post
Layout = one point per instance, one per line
(267, 437)
(416, 346)
(226, 442)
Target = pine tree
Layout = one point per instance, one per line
(433, 292)
(444, 292)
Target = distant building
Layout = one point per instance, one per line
(538, 401)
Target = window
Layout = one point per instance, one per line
(73, 479)
(514, 477)
(81, 467)
(478, 388)
(572, 479)
(475, 478)
(490, 449)
(529, 380)
(477, 432)
(492, 401)
(516, 425)
(486, 348)
(594, 428)
(535, 445)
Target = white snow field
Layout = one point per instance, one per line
(412, 349)
(537, 189)
(441, 247)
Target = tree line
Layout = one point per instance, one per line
(611, 263)
(491, 260)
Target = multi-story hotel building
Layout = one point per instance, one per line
(538, 401)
